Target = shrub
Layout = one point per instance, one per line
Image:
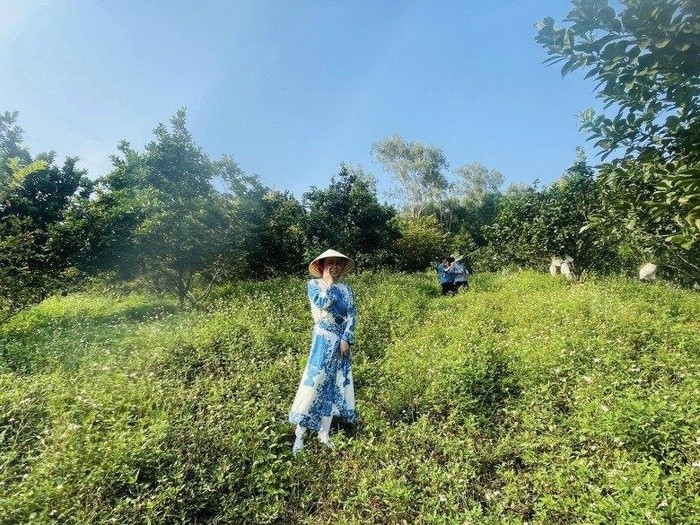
(525, 399)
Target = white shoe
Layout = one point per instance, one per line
(298, 446)
(325, 438)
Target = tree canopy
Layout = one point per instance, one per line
(36, 197)
(348, 215)
(417, 168)
(646, 62)
(157, 214)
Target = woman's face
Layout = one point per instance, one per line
(334, 266)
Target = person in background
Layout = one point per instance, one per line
(459, 274)
(446, 279)
(326, 388)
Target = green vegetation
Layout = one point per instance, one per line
(182, 222)
(525, 400)
(645, 59)
(544, 402)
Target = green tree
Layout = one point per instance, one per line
(11, 146)
(36, 196)
(418, 170)
(646, 61)
(157, 215)
(348, 217)
(567, 206)
(471, 205)
(533, 225)
(475, 181)
(422, 242)
(513, 239)
(275, 243)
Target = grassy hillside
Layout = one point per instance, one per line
(526, 399)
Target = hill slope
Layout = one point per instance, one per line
(526, 399)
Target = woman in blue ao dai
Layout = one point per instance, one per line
(326, 387)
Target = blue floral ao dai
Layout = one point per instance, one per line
(326, 387)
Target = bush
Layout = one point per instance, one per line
(524, 399)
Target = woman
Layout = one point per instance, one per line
(326, 388)
(445, 277)
(459, 274)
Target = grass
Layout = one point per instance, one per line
(525, 400)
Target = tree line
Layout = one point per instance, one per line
(173, 218)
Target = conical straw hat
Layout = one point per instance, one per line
(315, 270)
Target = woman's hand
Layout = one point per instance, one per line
(344, 347)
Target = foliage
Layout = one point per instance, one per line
(11, 146)
(466, 220)
(348, 217)
(646, 60)
(276, 224)
(533, 226)
(514, 239)
(422, 242)
(625, 218)
(476, 182)
(569, 204)
(540, 402)
(418, 170)
(469, 205)
(35, 198)
(158, 215)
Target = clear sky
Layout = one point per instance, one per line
(291, 89)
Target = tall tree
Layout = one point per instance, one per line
(475, 181)
(466, 219)
(348, 217)
(11, 146)
(157, 214)
(646, 61)
(36, 196)
(418, 170)
(470, 206)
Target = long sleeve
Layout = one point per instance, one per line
(349, 333)
(321, 296)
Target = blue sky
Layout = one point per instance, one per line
(291, 89)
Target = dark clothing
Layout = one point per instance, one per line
(447, 288)
(461, 284)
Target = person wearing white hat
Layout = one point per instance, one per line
(326, 388)
(459, 273)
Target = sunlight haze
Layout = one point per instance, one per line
(292, 90)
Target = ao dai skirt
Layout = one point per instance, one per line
(326, 387)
